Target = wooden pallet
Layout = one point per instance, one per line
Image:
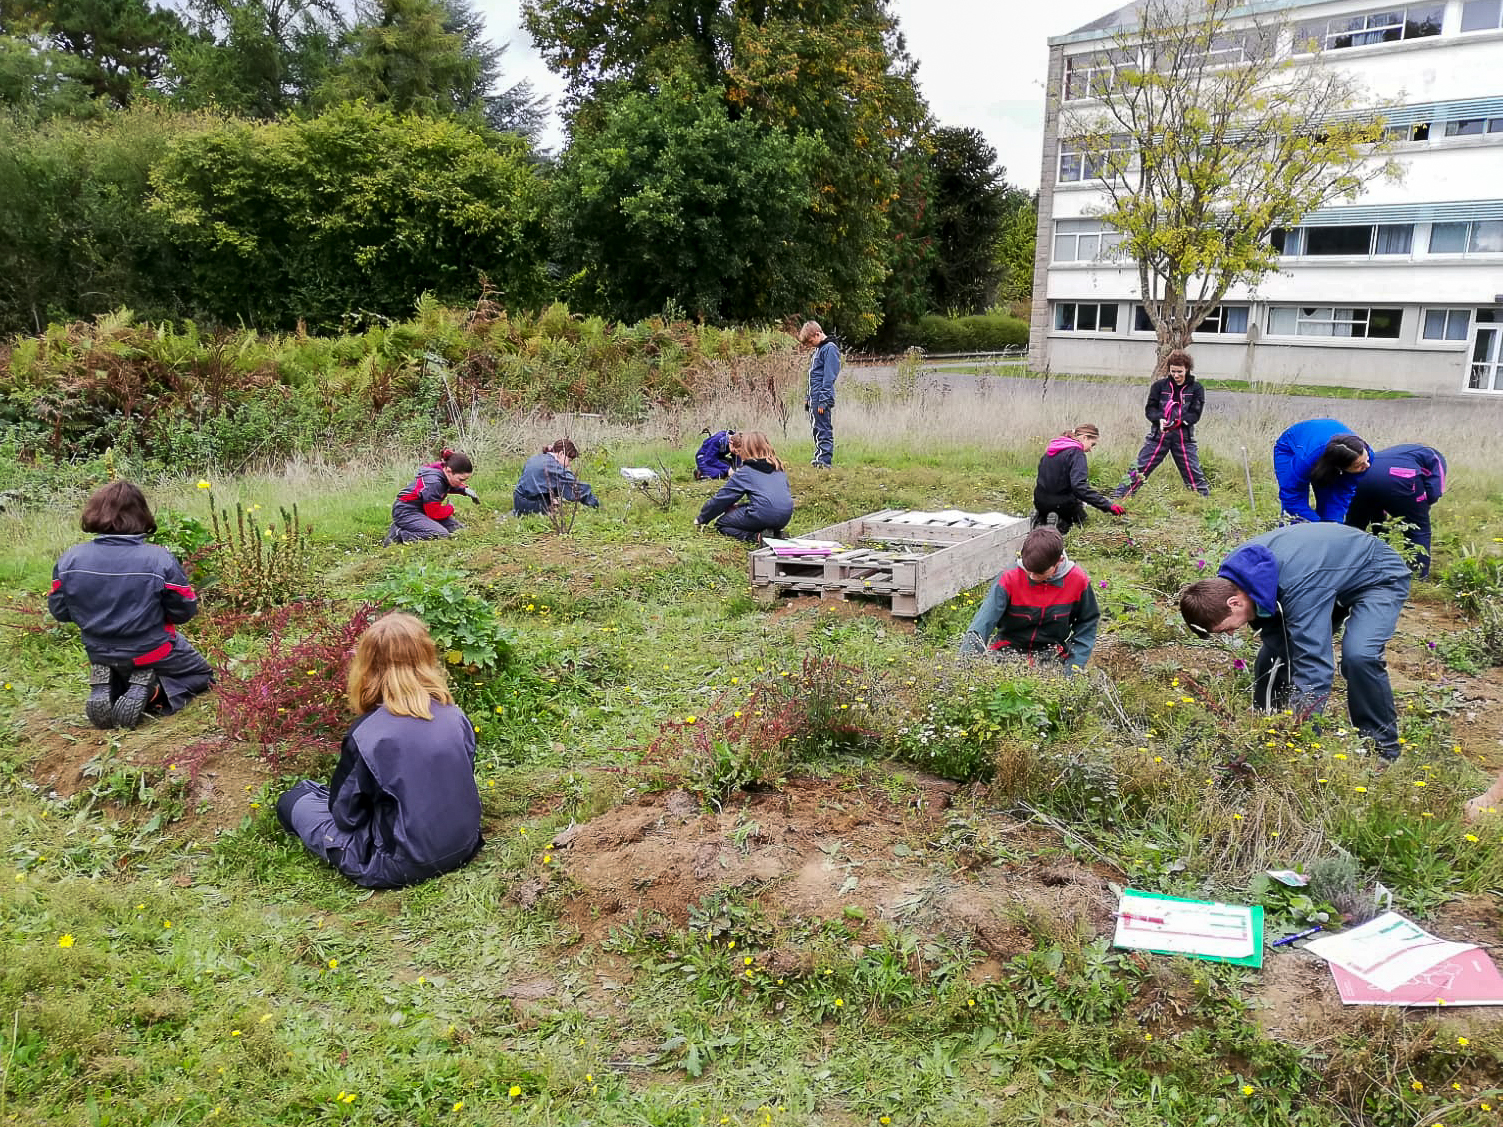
(911, 566)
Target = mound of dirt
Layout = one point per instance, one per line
(822, 849)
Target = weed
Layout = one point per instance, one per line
(1474, 580)
(257, 567)
(464, 626)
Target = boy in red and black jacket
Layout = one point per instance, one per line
(1040, 610)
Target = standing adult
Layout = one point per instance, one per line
(1294, 586)
(1404, 481)
(1322, 455)
(824, 367)
(1063, 489)
(1175, 404)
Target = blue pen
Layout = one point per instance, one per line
(1288, 939)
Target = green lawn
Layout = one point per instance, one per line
(846, 940)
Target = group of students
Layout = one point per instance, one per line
(403, 804)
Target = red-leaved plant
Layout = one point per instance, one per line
(290, 697)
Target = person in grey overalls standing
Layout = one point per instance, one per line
(824, 366)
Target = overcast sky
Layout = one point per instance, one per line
(981, 64)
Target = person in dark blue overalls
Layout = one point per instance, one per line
(824, 367)
(422, 510)
(1403, 482)
(756, 500)
(403, 805)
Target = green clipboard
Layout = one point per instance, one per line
(1254, 914)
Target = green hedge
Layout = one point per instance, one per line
(984, 332)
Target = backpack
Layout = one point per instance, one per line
(713, 458)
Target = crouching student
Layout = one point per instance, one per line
(403, 805)
(547, 481)
(422, 510)
(1403, 481)
(128, 597)
(755, 500)
(1043, 610)
(1295, 586)
(1063, 489)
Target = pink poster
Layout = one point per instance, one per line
(1467, 979)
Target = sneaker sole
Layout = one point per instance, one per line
(131, 703)
(98, 707)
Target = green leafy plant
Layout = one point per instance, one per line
(464, 626)
(259, 566)
(1474, 580)
(190, 540)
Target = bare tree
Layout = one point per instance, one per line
(1206, 134)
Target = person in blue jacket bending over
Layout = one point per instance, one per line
(1295, 585)
(547, 481)
(756, 500)
(1321, 455)
(403, 805)
(1404, 482)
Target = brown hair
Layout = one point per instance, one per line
(118, 509)
(1340, 454)
(1042, 550)
(563, 446)
(748, 444)
(396, 664)
(456, 462)
(1179, 356)
(1203, 603)
(1085, 430)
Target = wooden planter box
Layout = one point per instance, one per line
(911, 566)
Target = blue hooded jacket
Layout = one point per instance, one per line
(1295, 453)
(545, 480)
(1296, 576)
(824, 367)
(769, 500)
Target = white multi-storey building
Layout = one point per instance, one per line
(1401, 289)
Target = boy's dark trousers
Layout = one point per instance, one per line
(823, 424)
(1161, 443)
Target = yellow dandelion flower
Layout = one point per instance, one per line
(1472, 837)
(1248, 1089)
(458, 1106)
(1360, 790)
(1463, 1042)
(514, 1091)
(204, 485)
(333, 964)
(65, 941)
(839, 1002)
(1417, 1085)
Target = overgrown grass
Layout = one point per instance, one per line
(280, 995)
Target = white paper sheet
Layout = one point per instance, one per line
(1387, 951)
(1183, 927)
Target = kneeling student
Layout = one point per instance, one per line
(128, 597)
(1043, 609)
(403, 805)
(547, 482)
(756, 499)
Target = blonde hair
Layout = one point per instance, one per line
(754, 444)
(396, 664)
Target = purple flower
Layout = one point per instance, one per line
(1102, 584)
(1238, 664)
(1200, 565)
(1430, 644)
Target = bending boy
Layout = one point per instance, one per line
(1295, 585)
(1044, 608)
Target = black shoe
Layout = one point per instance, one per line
(130, 704)
(97, 707)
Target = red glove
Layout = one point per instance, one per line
(1117, 510)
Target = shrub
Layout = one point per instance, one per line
(291, 696)
(987, 332)
(463, 625)
(190, 540)
(1474, 580)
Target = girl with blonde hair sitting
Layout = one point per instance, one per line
(403, 805)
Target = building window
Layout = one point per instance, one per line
(1224, 319)
(1334, 321)
(1418, 131)
(1474, 126)
(1075, 164)
(1089, 76)
(1085, 316)
(1359, 240)
(1481, 15)
(1446, 324)
(1084, 240)
(1388, 26)
(1482, 236)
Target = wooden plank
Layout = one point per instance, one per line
(958, 568)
